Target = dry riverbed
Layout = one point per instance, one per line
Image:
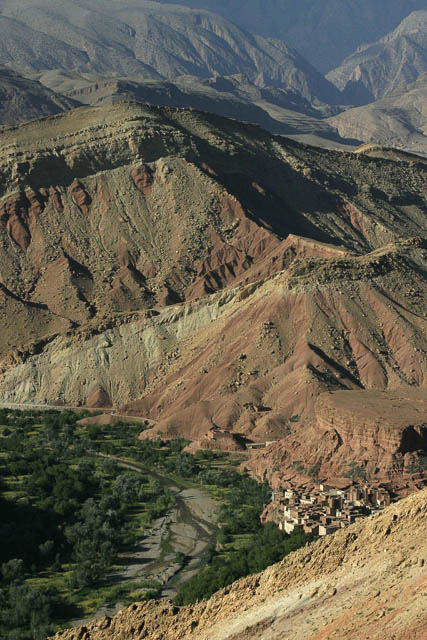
(189, 528)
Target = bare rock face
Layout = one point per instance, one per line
(317, 30)
(392, 421)
(351, 585)
(150, 43)
(354, 435)
(143, 179)
(218, 440)
(18, 213)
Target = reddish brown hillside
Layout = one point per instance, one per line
(205, 274)
(354, 435)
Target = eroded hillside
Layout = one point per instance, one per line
(206, 274)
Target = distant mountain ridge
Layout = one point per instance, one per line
(22, 99)
(377, 69)
(148, 40)
(398, 120)
(323, 31)
(278, 110)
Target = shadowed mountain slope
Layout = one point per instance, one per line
(22, 99)
(366, 581)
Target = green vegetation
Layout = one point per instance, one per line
(69, 506)
(65, 513)
(313, 472)
(355, 472)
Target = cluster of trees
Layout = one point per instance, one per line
(25, 612)
(267, 546)
(64, 509)
(61, 506)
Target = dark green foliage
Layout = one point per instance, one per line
(355, 472)
(68, 507)
(313, 472)
(70, 503)
(25, 613)
(268, 546)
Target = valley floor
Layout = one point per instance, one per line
(188, 528)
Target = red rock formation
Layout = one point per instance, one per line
(56, 196)
(19, 212)
(217, 440)
(80, 197)
(143, 178)
(379, 435)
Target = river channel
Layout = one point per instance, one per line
(189, 527)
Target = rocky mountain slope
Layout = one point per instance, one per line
(378, 69)
(323, 31)
(207, 274)
(399, 119)
(147, 40)
(366, 581)
(277, 110)
(22, 99)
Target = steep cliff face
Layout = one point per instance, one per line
(354, 435)
(365, 581)
(393, 422)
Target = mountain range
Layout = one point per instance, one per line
(280, 111)
(375, 70)
(98, 51)
(202, 233)
(148, 40)
(323, 31)
(397, 120)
